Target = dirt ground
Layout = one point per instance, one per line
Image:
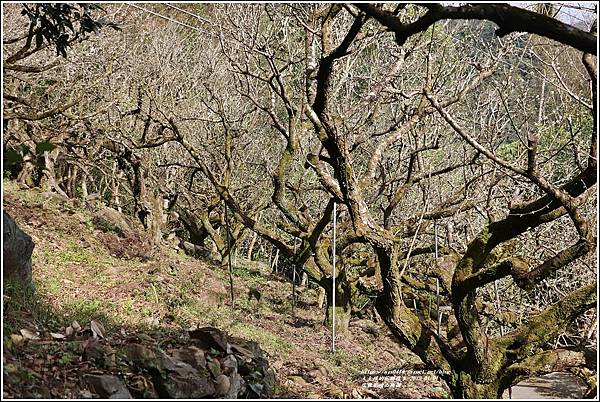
(76, 278)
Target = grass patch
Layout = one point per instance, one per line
(29, 196)
(267, 340)
(84, 311)
(193, 314)
(76, 254)
(342, 361)
(23, 307)
(51, 285)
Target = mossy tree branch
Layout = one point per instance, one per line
(529, 337)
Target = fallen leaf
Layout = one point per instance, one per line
(17, 340)
(143, 337)
(57, 336)
(10, 368)
(69, 331)
(76, 326)
(29, 334)
(97, 329)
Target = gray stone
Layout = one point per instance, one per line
(16, 252)
(107, 386)
(187, 387)
(237, 386)
(110, 220)
(223, 385)
(208, 337)
(191, 355)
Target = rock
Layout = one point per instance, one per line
(191, 355)
(142, 356)
(223, 385)
(107, 386)
(229, 365)
(237, 387)
(110, 220)
(188, 372)
(16, 252)
(100, 355)
(315, 375)
(56, 198)
(188, 387)
(214, 367)
(208, 337)
(181, 368)
(367, 326)
(336, 392)
(297, 380)
(324, 371)
(245, 348)
(194, 250)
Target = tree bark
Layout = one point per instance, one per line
(342, 306)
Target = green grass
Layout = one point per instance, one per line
(17, 300)
(341, 360)
(84, 311)
(76, 254)
(267, 340)
(30, 196)
(52, 285)
(250, 277)
(193, 313)
(127, 307)
(88, 308)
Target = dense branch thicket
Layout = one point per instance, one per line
(459, 143)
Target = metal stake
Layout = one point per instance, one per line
(333, 293)
(437, 280)
(229, 253)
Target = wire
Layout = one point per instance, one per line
(170, 19)
(191, 14)
(210, 33)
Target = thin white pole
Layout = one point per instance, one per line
(437, 281)
(294, 287)
(229, 253)
(333, 292)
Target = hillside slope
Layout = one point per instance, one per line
(77, 279)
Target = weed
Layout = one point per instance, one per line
(269, 341)
(342, 360)
(76, 254)
(88, 223)
(52, 285)
(128, 307)
(146, 312)
(66, 358)
(21, 303)
(84, 310)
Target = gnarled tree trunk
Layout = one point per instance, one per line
(342, 305)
